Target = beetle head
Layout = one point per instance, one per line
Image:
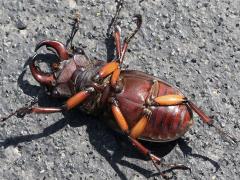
(58, 82)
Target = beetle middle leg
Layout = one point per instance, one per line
(69, 104)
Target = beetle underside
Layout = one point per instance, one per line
(141, 106)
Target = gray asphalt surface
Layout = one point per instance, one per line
(194, 45)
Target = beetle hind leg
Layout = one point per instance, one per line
(135, 132)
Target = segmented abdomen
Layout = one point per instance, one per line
(167, 122)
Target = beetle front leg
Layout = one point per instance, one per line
(138, 19)
(117, 37)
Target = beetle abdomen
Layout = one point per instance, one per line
(167, 122)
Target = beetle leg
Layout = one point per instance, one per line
(113, 67)
(136, 131)
(69, 104)
(169, 100)
(75, 28)
(106, 70)
(117, 34)
(110, 68)
(209, 121)
(114, 20)
(138, 19)
(121, 121)
(115, 77)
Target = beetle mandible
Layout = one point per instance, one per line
(143, 106)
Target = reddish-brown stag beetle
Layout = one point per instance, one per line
(143, 106)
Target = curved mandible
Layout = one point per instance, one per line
(57, 47)
(42, 77)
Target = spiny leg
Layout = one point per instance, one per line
(210, 122)
(171, 100)
(114, 20)
(136, 131)
(108, 69)
(121, 52)
(32, 102)
(75, 28)
(113, 68)
(69, 104)
(138, 21)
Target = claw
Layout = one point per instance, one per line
(157, 161)
(23, 111)
(20, 112)
(55, 47)
(43, 78)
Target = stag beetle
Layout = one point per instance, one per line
(141, 106)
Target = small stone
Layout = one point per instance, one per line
(193, 60)
(12, 153)
(21, 25)
(98, 14)
(72, 3)
(213, 177)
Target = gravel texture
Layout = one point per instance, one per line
(194, 45)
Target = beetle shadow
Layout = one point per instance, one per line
(187, 151)
(97, 131)
(110, 47)
(109, 144)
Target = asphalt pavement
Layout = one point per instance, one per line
(193, 45)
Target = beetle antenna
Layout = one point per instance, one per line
(18, 111)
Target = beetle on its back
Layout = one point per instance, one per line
(142, 106)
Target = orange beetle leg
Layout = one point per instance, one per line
(78, 98)
(169, 100)
(138, 129)
(115, 77)
(121, 121)
(117, 41)
(108, 69)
